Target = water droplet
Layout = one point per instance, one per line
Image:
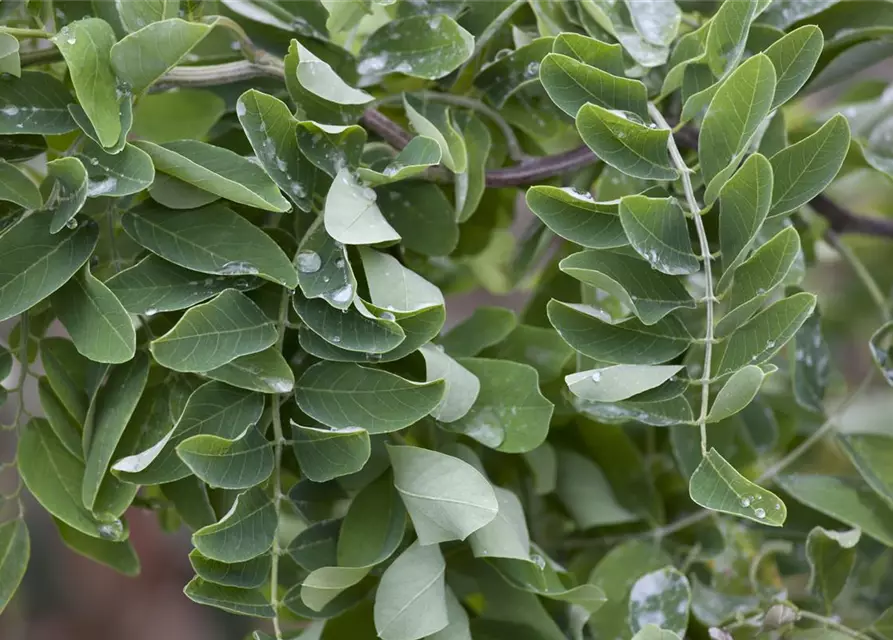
(538, 560)
(113, 530)
(241, 110)
(532, 69)
(71, 40)
(309, 262)
(72, 224)
(369, 194)
(236, 268)
(770, 344)
(778, 507)
(387, 315)
(596, 376)
(745, 501)
(342, 295)
(151, 311)
(279, 385)
(339, 263)
(336, 339)
(759, 513)
(10, 111)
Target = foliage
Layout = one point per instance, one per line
(250, 259)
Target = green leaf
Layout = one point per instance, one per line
(114, 175)
(63, 424)
(344, 16)
(661, 598)
(36, 103)
(251, 574)
(421, 214)
(265, 371)
(608, 57)
(174, 115)
(324, 269)
(625, 144)
(9, 55)
(240, 463)
(418, 46)
(325, 584)
(374, 525)
(125, 112)
(356, 329)
(727, 35)
(215, 409)
(189, 498)
(86, 46)
(98, 324)
(763, 336)
(244, 532)
(831, 556)
(571, 84)
(212, 240)
(508, 74)
(510, 414)
(447, 498)
(744, 203)
(811, 365)
(70, 375)
(716, 485)
(868, 452)
(435, 121)
(351, 215)
(505, 536)
(326, 454)
(576, 216)
(331, 147)
(655, 20)
(736, 393)
(803, 170)
(144, 56)
(214, 333)
(326, 81)
(626, 342)
(67, 182)
(411, 598)
(485, 327)
(246, 602)
(317, 77)
(741, 103)
(118, 555)
(586, 494)
(413, 159)
(36, 263)
(135, 15)
(15, 550)
(21, 148)
(619, 382)
(347, 395)
(18, 188)
(650, 294)
(794, 57)
(657, 230)
(394, 287)
(271, 129)
(54, 476)
(471, 185)
(539, 347)
(461, 389)
(847, 499)
(653, 632)
(114, 405)
(882, 350)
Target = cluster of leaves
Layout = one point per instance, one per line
(218, 207)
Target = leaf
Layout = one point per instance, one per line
(9, 55)
(135, 15)
(174, 115)
(571, 84)
(98, 324)
(15, 550)
(18, 188)
(738, 391)
(323, 585)
(114, 175)
(35, 103)
(794, 57)
(846, 499)
(325, 81)
(458, 627)
(417, 46)
(657, 230)
(214, 333)
(394, 287)
(868, 453)
(351, 215)
(510, 414)
(21, 148)
(627, 342)
(661, 598)
(214, 408)
(347, 395)
(245, 532)
(626, 145)
(744, 203)
(212, 240)
(435, 121)
(246, 602)
(144, 56)
(251, 574)
(324, 268)
(648, 293)
(240, 463)
(727, 35)
(831, 556)
(811, 364)
(508, 74)
(505, 536)
(356, 329)
(653, 632)
(485, 327)
(326, 454)
(576, 216)
(86, 46)
(608, 57)
(803, 170)
(538, 347)
(265, 371)
(763, 336)
(317, 77)
(741, 103)
(374, 525)
(66, 428)
(154, 285)
(67, 180)
(413, 159)
(271, 130)
(118, 555)
(331, 147)
(36, 263)
(472, 185)
(447, 498)
(411, 598)
(655, 20)
(716, 485)
(53, 476)
(421, 214)
(461, 386)
(114, 405)
(586, 494)
(880, 347)
(618, 382)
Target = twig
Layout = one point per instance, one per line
(844, 221)
(828, 622)
(861, 271)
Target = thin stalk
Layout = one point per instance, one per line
(829, 622)
(861, 272)
(695, 210)
(26, 33)
(493, 28)
(277, 474)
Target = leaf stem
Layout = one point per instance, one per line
(861, 272)
(695, 210)
(26, 33)
(829, 622)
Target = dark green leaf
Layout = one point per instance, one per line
(326, 454)
(15, 550)
(246, 602)
(324, 269)
(576, 216)
(356, 329)
(36, 103)
(657, 230)
(571, 84)
(831, 556)
(586, 494)
(868, 453)
(462, 387)
(244, 532)
(265, 371)
(18, 188)
(237, 463)
(508, 74)
(794, 57)
(422, 215)
(619, 382)
(811, 364)
(661, 599)
(118, 555)
(738, 391)
(114, 175)
(435, 121)
(67, 181)
(251, 574)
(485, 327)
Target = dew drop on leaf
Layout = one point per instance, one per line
(308, 262)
